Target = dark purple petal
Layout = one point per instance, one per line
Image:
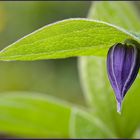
(122, 65)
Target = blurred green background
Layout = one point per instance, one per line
(55, 77)
(59, 78)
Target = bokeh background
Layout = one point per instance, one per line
(59, 78)
(54, 77)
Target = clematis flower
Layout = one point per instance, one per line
(123, 61)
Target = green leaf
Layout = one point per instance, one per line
(130, 118)
(97, 89)
(72, 37)
(119, 13)
(101, 98)
(83, 125)
(33, 115)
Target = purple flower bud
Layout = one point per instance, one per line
(123, 61)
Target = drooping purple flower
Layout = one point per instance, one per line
(123, 63)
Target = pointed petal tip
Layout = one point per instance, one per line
(123, 63)
(119, 107)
